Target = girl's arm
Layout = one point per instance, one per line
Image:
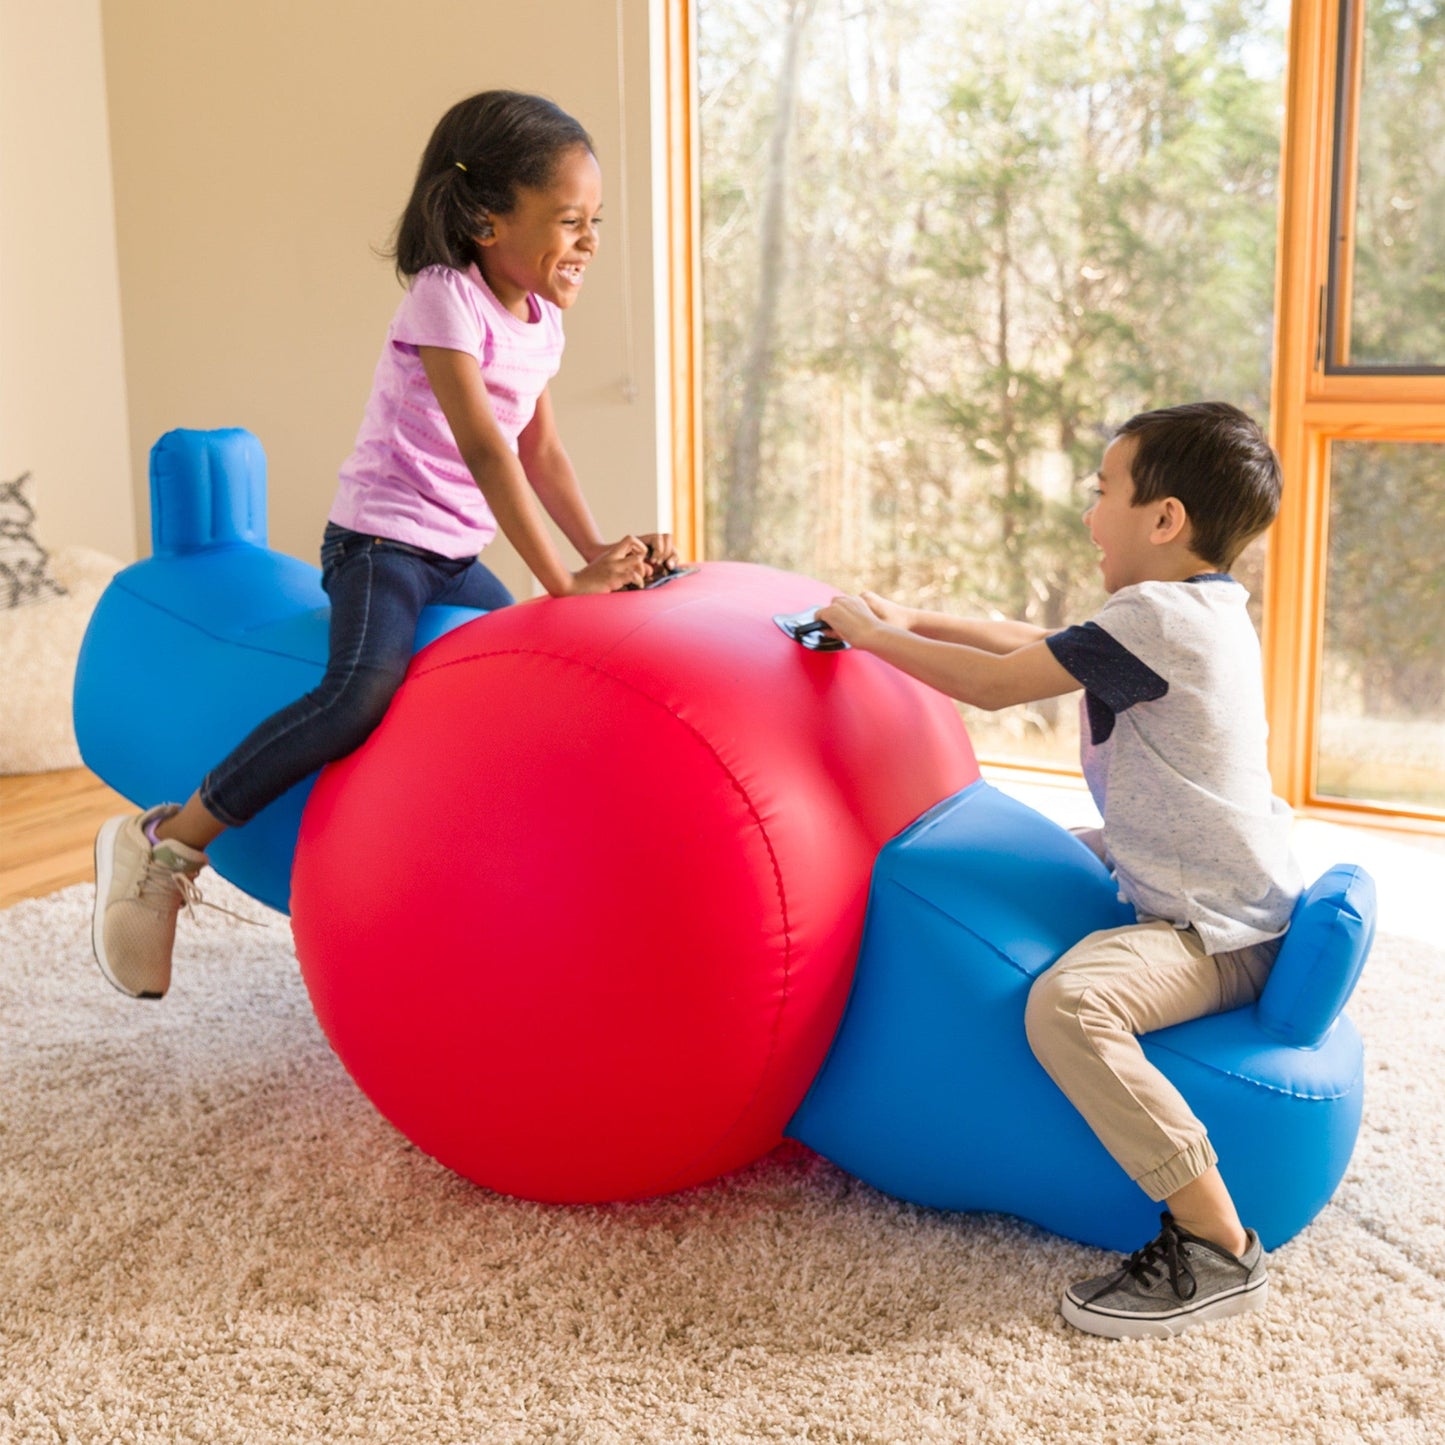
(457, 385)
(982, 677)
(549, 470)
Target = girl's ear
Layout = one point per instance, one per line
(487, 234)
(1171, 521)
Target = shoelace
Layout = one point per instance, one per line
(159, 885)
(1161, 1255)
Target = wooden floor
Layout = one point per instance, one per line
(48, 823)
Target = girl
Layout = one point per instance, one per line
(457, 440)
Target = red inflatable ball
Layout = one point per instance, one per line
(580, 918)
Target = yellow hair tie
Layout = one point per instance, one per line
(459, 165)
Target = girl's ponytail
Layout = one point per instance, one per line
(437, 227)
(481, 151)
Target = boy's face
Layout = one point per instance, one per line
(1120, 530)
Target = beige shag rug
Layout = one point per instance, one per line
(207, 1234)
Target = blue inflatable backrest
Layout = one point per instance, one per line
(1319, 962)
(208, 488)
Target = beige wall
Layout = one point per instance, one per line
(62, 388)
(263, 149)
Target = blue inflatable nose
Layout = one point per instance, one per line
(208, 489)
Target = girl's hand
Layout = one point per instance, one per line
(892, 613)
(622, 564)
(661, 554)
(852, 619)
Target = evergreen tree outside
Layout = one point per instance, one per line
(998, 229)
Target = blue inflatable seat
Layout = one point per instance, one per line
(204, 639)
(931, 1092)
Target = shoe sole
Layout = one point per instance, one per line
(1136, 1327)
(104, 872)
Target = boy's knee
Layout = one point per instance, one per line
(1052, 1010)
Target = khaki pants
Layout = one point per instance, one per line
(1084, 1015)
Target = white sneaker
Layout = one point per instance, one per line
(139, 890)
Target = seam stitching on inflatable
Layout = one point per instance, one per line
(742, 792)
(1311, 1097)
(963, 927)
(231, 639)
(642, 622)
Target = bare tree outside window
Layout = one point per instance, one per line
(947, 246)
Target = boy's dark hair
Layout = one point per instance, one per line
(481, 151)
(1218, 462)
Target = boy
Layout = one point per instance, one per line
(1173, 747)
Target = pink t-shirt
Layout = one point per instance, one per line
(405, 478)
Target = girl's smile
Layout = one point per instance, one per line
(543, 245)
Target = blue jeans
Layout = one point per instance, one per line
(377, 588)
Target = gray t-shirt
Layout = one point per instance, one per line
(1173, 745)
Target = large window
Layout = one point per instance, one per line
(1356, 643)
(930, 252)
(1381, 736)
(948, 245)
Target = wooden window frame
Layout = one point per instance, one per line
(1313, 403)
(1316, 400)
(684, 275)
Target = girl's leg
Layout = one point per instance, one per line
(474, 585)
(194, 825)
(370, 606)
(145, 866)
(377, 592)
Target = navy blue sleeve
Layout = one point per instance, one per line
(1113, 678)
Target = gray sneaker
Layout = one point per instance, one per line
(1175, 1281)
(139, 890)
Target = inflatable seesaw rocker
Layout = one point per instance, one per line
(582, 916)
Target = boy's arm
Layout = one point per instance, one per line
(991, 634)
(976, 675)
(988, 634)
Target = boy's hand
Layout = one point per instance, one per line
(621, 565)
(661, 555)
(852, 619)
(894, 614)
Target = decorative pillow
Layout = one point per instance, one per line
(38, 651)
(24, 563)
